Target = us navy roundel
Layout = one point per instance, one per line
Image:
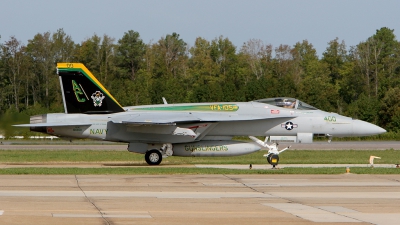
(289, 125)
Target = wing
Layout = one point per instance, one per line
(158, 118)
(155, 118)
(193, 124)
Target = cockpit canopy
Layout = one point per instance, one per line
(285, 102)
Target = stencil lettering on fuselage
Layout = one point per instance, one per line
(98, 131)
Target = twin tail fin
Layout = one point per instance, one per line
(83, 93)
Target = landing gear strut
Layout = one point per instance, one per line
(273, 152)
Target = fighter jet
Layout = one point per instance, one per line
(157, 131)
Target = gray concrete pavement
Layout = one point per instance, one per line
(200, 199)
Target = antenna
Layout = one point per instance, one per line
(165, 101)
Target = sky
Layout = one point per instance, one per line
(274, 22)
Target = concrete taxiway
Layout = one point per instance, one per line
(200, 199)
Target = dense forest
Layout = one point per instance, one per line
(360, 81)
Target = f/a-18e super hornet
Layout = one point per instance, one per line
(157, 131)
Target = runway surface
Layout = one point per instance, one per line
(200, 199)
(334, 145)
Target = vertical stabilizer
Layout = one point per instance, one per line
(83, 93)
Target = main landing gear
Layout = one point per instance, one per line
(153, 157)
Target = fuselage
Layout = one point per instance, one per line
(258, 122)
(230, 119)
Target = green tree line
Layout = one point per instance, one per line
(360, 81)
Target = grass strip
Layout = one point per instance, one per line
(288, 157)
(137, 160)
(193, 171)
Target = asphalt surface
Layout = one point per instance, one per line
(200, 199)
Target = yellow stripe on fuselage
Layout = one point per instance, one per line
(83, 67)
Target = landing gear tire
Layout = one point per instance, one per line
(153, 157)
(273, 159)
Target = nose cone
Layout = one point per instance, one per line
(362, 128)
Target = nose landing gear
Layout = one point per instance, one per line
(272, 159)
(273, 152)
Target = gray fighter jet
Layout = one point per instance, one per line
(159, 131)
